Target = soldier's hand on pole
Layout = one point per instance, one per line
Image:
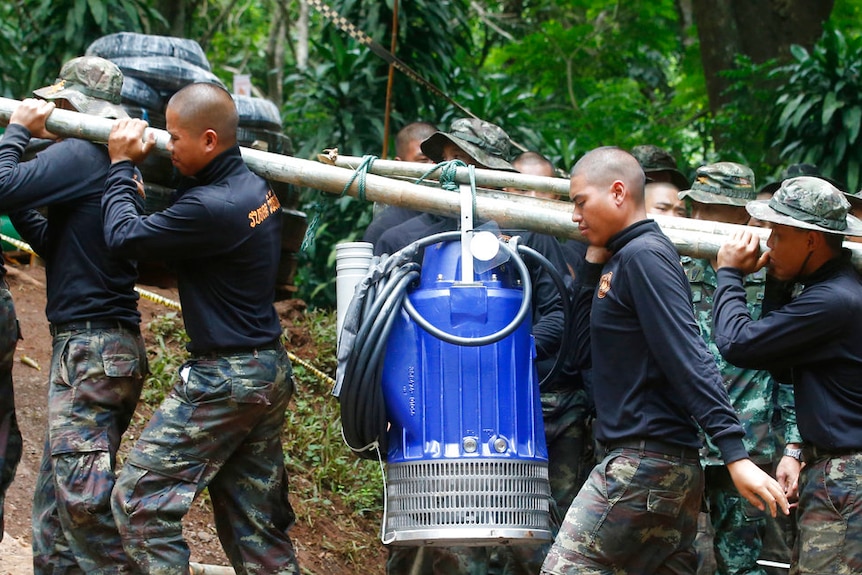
(32, 114)
(130, 141)
(742, 251)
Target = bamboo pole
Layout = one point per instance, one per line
(691, 237)
(489, 178)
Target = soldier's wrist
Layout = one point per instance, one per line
(793, 450)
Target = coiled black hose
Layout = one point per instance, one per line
(363, 410)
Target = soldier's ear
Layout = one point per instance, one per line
(619, 192)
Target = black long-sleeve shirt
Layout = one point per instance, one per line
(84, 280)
(224, 234)
(814, 338)
(652, 373)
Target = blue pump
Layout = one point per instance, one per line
(467, 460)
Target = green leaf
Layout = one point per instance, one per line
(851, 119)
(799, 52)
(852, 177)
(831, 103)
(839, 146)
(99, 13)
(790, 109)
(801, 112)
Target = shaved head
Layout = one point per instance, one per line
(534, 163)
(413, 132)
(202, 107)
(602, 166)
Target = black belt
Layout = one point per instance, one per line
(222, 351)
(92, 325)
(654, 446)
(811, 453)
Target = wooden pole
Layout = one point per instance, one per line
(387, 113)
(691, 237)
(487, 178)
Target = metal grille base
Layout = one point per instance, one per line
(468, 502)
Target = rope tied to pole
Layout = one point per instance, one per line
(448, 172)
(360, 172)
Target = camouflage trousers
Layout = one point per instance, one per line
(570, 454)
(95, 382)
(636, 514)
(219, 428)
(10, 435)
(830, 517)
(735, 531)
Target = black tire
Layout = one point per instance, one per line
(131, 44)
(165, 73)
(139, 93)
(155, 118)
(257, 113)
(265, 140)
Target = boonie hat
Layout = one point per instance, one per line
(654, 159)
(483, 141)
(809, 203)
(726, 183)
(92, 85)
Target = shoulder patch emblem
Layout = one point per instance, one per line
(605, 284)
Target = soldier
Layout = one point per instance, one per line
(407, 149)
(99, 360)
(534, 164)
(10, 434)
(811, 341)
(662, 198)
(220, 426)
(659, 166)
(719, 193)
(637, 512)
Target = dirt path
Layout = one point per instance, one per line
(27, 285)
(333, 543)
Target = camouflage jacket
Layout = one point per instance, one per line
(753, 393)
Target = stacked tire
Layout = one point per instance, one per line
(154, 69)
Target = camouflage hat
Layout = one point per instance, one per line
(483, 141)
(91, 85)
(725, 183)
(809, 203)
(654, 160)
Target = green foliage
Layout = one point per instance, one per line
(819, 108)
(37, 36)
(313, 430)
(740, 127)
(166, 358)
(591, 73)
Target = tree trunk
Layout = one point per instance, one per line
(275, 54)
(759, 29)
(302, 36)
(176, 13)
